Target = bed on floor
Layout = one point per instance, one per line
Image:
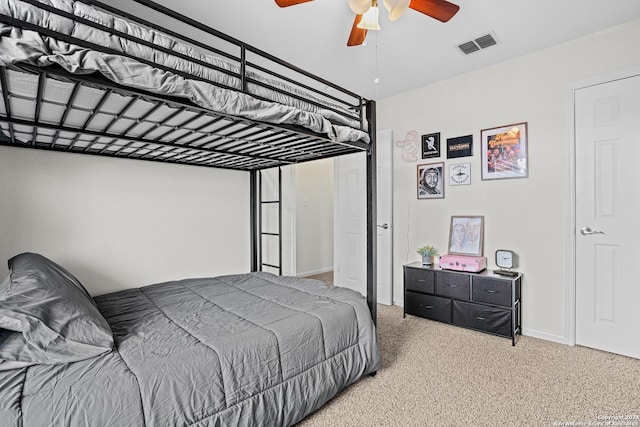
(246, 349)
(83, 77)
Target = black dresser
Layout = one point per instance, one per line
(483, 301)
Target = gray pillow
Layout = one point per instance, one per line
(47, 316)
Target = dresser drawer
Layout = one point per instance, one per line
(484, 318)
(419, 280)
(428, 306)
(453, 285)
(492, 291)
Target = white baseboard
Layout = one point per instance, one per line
(544, 336)
(314, 272)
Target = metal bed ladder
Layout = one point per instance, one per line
(266, 232)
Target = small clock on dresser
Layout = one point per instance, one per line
(506, 260)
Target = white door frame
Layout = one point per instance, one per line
(384, 192)
(570, 239)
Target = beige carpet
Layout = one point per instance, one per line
(436, 374)
(325, 277)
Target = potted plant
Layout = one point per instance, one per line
(427, 252)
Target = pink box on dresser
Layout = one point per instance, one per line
(473, 264)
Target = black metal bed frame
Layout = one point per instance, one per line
(125, 122)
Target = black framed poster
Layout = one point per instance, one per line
(431, 145)
(461, 146)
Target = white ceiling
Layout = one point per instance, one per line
(414, 51)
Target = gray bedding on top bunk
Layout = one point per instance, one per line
(249, 349)
(19, 46)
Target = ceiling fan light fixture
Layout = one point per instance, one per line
(370, 18)
(396, 8)
(359, 7)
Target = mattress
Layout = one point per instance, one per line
(241, 350)
(206, 80)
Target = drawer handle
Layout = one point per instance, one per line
(426, 306)
(491, 291)
(420, 280)
(481, 318)
(452, 285)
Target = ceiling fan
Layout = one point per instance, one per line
(367, 13)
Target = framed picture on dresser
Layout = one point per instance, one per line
(466, 235)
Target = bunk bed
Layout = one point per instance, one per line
(81, 76)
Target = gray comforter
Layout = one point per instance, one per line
(251, 349)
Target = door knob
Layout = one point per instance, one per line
(384, 226)
(587, 231)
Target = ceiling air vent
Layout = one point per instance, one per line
(485, 41)
(468, 47)
(482, 42)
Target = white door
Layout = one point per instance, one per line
(350, 235)
(607, 133)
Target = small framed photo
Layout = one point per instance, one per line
(460, 174)
(504, 152)
(431, 181)
(466, 235)
(431, 145)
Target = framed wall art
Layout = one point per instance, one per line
(462, 146)
(460, 174)
(466, 235)
(431, 145)
(431, 181)
(504, 152)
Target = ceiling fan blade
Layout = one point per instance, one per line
(287, 3)
(357, 36)
(441, 10)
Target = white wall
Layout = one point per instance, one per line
(117, 223)
(314, 217)
(529, 215)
